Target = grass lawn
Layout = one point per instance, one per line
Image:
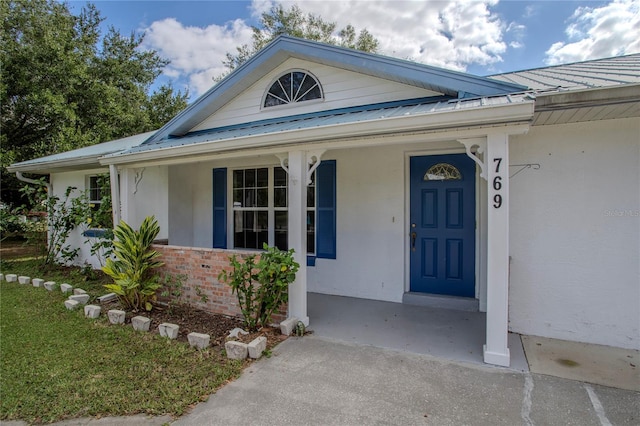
(56, 364)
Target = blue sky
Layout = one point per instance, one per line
(480, 37)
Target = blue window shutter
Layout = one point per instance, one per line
(220, 208)
(326, 210)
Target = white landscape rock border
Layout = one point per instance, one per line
(234, 349)
(140, 323)
(168, 330)
(116, 316)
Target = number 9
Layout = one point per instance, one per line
(497, 201)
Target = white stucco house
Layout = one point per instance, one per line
(516, 194)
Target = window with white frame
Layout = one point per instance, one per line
(260, 209)
(291, 87)
(96, 190)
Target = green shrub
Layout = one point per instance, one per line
(261, 287)
(134, 283)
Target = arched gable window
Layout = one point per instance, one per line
(293, 86)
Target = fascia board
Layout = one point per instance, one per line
(495, 115)
(587, 97)
(441, 80)
(79, 163)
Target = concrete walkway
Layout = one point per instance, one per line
(321, 381)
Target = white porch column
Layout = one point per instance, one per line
(127, 177)
(298, 232)
(115, 193)
(497, 168)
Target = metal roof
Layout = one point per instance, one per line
(580, 75)
(373, 112)
(88, 156)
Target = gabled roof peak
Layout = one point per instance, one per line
(447, 82)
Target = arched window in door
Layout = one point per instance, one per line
(442, 171)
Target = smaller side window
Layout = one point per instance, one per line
(96, 191)
(99, 197)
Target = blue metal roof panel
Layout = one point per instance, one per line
(89, 154)
(328, 118)
(581, 75)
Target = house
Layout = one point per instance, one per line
(517, 195)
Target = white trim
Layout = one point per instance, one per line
(297, 235)
(411, 137)
(496, 350)
(439, 122)
(496, 358)
(115, 194)
(290, 104)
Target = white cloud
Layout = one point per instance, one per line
(517, 32)
(450, 34)
(196, 54)
(610, 30)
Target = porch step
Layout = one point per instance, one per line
(441, 302)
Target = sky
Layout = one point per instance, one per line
(479, 37)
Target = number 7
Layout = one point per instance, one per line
(498, 161)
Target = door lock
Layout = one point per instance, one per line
(413, 241)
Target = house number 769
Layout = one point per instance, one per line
(497, 184)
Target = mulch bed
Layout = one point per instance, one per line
(192, 320)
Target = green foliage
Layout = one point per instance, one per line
(100, 370)
(293, 22)
(172, 289)
(261, 287)
(202, 296)
(134, 283)
(51, 229)
(100, 217)
(12, 222)
(65, 85)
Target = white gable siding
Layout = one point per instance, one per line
(341, 89)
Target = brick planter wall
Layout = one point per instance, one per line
(201, 266)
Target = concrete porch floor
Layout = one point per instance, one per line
(459, 335)
(443, 333)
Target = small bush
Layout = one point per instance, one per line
(261, 287)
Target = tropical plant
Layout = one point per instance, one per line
(262, 286)
(134, 283)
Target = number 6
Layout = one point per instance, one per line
(497, 183)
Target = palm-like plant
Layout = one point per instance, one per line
(134, 283)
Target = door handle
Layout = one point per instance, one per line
(413, 241)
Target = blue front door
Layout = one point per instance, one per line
(442, 225)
